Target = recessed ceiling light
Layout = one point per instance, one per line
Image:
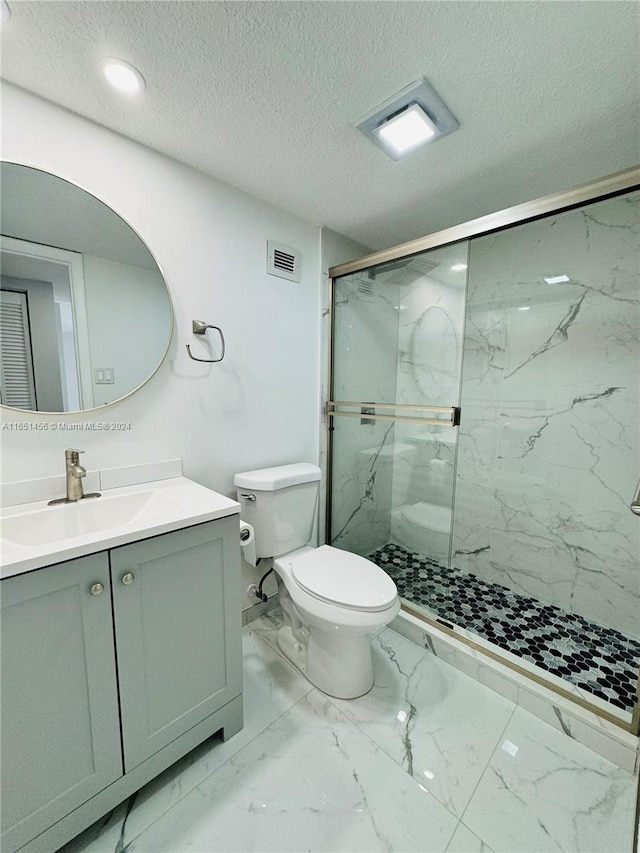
(5, 12)
(407, 129)
(524, 308)
(123, 76)
(459, 267)
(556, 279)
(409, 120)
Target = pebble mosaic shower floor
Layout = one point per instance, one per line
(600, 660)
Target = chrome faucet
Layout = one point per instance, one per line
(75, 472)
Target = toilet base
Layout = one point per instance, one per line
(338, 664)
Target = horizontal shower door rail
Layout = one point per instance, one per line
(617, 182)
(367, 410)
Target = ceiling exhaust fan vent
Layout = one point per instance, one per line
(283, 261)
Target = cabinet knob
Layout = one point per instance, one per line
(96, 589)
(128, 578)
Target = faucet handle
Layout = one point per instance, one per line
(72, 456)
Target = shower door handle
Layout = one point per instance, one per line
(634, 506)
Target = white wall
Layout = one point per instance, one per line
(128, 317)
(260, 406)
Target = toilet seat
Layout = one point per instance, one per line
(340, 577)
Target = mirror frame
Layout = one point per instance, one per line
(165, 352)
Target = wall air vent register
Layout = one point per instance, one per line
(283, 261)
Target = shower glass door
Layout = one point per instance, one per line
(536, 345)
(548, 459)
(397, 352)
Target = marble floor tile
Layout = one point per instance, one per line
(543, 791)
(465, 841)
(438, 724)
(429, 761)
(311, 782)
(267, 627)
(271, 687)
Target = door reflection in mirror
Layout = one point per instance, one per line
(39, 364)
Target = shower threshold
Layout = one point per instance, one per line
(599, 660)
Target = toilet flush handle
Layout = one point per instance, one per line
(247, 497)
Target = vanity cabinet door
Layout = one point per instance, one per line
(60, 727)
(177, 622)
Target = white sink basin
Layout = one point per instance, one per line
(35, 535)
(93, 515)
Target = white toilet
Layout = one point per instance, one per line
(332, 599)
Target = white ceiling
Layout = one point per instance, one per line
(266, 95)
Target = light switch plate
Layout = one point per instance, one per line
(104, 375)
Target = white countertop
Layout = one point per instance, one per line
(35, 535)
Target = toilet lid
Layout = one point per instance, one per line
(343, 578)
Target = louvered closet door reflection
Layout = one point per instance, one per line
(17, 387)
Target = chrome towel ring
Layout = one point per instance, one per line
(199, 327)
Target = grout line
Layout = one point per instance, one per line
(482, 775)
(218, 767)
(378, 746)
(205, 778)
(485, 847)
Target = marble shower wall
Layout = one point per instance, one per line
(430, 308)
(548, 455)
(365, 346)
(334, 249)
(398, 333)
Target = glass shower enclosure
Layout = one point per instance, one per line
(483, 435)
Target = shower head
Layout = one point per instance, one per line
(390, 266)
(404, 271)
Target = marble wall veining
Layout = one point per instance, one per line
(428, 363)
(365, 346)
(397, 339)
(548, 455)
(548, 450)
(334, 249)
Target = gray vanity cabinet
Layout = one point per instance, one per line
(59, 707)
(114, 666)
(177, 622)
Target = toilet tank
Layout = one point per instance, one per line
(280, 503)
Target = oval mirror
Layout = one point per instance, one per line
(85, 313)
(434, 355)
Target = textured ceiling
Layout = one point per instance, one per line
(265, 96)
